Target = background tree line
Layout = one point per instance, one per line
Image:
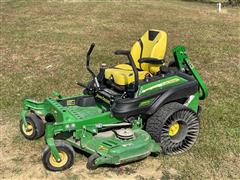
(226, 2)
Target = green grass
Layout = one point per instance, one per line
(43, 47)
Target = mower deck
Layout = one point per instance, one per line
(115, 150)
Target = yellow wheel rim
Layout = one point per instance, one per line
(63, 157)
(174, 128)
(29, 130)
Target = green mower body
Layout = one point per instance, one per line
(113, 128)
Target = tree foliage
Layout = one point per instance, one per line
(234, 2)
(228, 2)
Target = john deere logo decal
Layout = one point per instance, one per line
(161, 84)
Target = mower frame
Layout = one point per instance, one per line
(85, 128)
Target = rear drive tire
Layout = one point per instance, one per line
(66, 153)
(35, 127)
(175, 127)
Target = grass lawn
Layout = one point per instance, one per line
(43, 47)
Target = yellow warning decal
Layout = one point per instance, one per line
(71, 102)
(103, 98)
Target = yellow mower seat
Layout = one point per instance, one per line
(123, 74)
(151, 45)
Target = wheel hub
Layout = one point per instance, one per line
(29, 130)
(62, 162)
(174, 128)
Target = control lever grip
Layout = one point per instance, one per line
(90, 49)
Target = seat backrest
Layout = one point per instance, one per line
(152, 44)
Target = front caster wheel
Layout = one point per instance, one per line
(91, 162)
(175, 127)
(35, 127)
(66, 154)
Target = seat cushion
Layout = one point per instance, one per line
(152, 44)
(123, 74)
(124, 66)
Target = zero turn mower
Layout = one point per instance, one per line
(126, 112)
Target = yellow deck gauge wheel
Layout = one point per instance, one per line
(63, 157)
(174, 128)
(29, 130)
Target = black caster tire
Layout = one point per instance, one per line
(91, 162)
(175, 127)
(35, 127)
(66, 153)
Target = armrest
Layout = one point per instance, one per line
(151, 61)
(122, 52)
